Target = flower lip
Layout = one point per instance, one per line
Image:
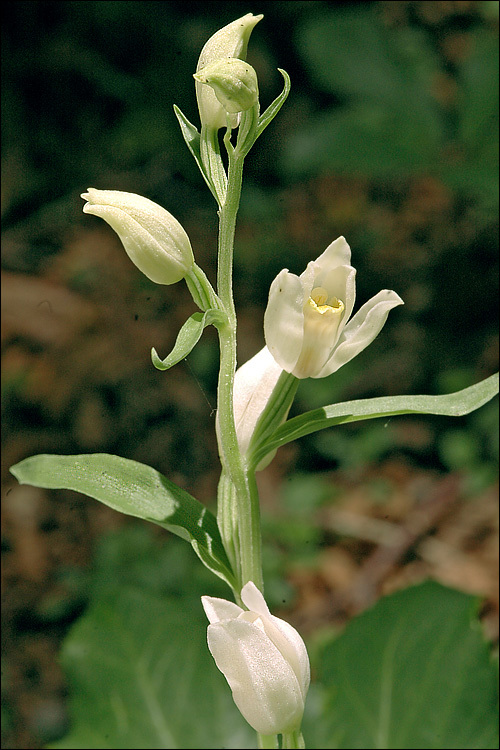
(322, 303)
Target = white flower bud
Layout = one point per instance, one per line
(234, 83)
(153, 239)
(230, 41)
(262, 657)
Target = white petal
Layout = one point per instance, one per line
(264, 686)
(361, 330)
(284, 319)
(340, 282)
(338, 253)
(321, 332)
(294, 651)
(254, 599)
(253, 384)
(284, 636)
(220, 609)
(153, 239)
(307, 279)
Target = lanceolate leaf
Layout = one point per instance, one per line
(187, 338)
(273, 109)
(192, 137)
(136, 490)
(451, 405)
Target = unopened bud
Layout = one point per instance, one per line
(153, 239)
(230, 41)
(234, 83)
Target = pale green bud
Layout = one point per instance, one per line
(230, 41)
(153, 239)
(234, 83)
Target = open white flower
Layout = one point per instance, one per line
(262, 657)
(153, 239)
(306, 323)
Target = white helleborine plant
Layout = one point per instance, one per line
(307, 324)
(230, 41)
(262, 657)
(309, 332)
(153, 239)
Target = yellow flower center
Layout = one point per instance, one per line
(322, 318)
(319, 301)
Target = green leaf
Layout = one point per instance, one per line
(136, 490)
(451, 405)
(141, 676)
(188, 337)
(273, 109)
(413, 672)
(192, 138)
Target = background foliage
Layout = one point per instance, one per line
(389, 137)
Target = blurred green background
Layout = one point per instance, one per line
(389, 137)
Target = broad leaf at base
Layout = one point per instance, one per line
(136, 490)
(141, 676)
(412, 672)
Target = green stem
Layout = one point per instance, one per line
(267, 741)
(227, 226)
(244, 494)
(293, 741)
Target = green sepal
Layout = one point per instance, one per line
(136, 490)
(451, 405)
(273, 109)
(188, 337)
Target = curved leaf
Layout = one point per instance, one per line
(451, 405)
(275, 106)
(187, 338)
(136, 490)
(191, 135)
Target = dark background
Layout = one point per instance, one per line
(389, 137)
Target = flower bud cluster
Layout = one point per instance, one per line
(231, 88)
